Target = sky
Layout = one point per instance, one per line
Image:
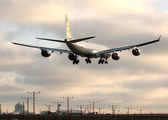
(138, 82)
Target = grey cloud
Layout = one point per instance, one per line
(56, 76)
(147, 84)
(12, 96)
(9, 88)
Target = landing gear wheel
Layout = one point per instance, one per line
(87, 60)
(101, 61)
(75, 62)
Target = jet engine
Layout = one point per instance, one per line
(115, 56)
(45, 53)
(136, 52)
(72, 57)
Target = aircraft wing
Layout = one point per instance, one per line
(44, 48)
(127, 47)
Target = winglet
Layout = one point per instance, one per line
(10, 40)
(159, 37)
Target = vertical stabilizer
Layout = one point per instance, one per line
(68, 30)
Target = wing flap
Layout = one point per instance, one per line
(57, 50)
(114, 50)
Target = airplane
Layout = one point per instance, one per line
(83, 48)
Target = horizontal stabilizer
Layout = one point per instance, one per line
(81, 39)
(72, 41)
(51, 40)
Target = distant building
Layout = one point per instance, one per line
(44, 112)
(18, 108)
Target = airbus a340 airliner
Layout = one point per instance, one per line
(79, 47)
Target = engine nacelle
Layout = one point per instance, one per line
(45, 53)
(115, 56)
(136, 52)
(72, 57)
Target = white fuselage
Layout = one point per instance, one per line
(87, 49)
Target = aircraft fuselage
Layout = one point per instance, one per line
(87, 49)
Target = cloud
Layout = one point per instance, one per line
(49, 11)
(139, 82)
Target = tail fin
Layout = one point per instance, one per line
(68, 34)
(68, 30)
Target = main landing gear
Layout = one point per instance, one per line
(102, 61)
(76, 61)
(87, 60)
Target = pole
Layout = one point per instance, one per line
(128, 110)
(0, 109)
(81, 110)
(93, 107)
(113, 108)
(27, 106)
(80, 107)
(49, 107)
(68, 105)
(23, 104)
(23, 108)
(33, 103)
(71, 111)
(57, 106)
(141, 111)
(34, 93)
(68, 98)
